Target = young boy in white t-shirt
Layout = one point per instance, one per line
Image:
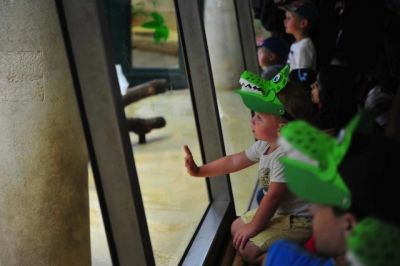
(280, 215)
(301, 17)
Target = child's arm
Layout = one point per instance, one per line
(268, 205)
(223, 165)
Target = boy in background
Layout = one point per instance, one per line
(272, 56)
(301, 17)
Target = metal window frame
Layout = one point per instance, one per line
(244, 16)
(210, 239)
(214, 231)
(92, 68)
(121, 36)
(91, 61)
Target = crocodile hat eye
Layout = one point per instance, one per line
(276, 78)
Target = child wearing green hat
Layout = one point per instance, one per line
(349, 181)
(280, 214)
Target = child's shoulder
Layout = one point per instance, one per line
(261, 146)
(279, 152)
(306, 41)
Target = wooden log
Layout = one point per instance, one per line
(150, 46)
(143, 90)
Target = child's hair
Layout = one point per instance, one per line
(337, 96)
(306, 10)
(297, 102)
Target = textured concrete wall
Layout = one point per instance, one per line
(44, 217)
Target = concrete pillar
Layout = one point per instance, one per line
(44, 214)
(223, 43)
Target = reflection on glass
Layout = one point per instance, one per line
(226, 61)
(174, 202)
(260, 32)
(154, 35)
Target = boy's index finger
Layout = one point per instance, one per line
(187, 151)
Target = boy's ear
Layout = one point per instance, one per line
(281, 124)
(271, 56)
(304, 23)
(349, 222)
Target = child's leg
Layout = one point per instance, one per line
(238, 223)
(250, 253)
(279, 227)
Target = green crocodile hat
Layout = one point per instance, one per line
(311, 164)
(374, 242)
(260, 95)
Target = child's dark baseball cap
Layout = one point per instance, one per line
(276, 45)
(304, 8)
(304, 76)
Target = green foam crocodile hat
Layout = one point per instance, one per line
(312, 160)
(260, 95)
(374, 242)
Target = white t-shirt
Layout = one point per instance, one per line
(302, 54)
(271, 170)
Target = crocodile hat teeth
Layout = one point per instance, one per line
(260, 95)
(250, 87)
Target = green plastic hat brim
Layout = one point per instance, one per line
(321, 183)
(374, 242)
(257, 103)
(302, 179)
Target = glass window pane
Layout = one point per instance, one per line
(154, 34)
(260, 32)
(174, 202)
(226, 62)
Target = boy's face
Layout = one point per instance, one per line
(265, 57)
(294, 24)
(265, 126)
(329, 230)
(315, 92)
(262, 55)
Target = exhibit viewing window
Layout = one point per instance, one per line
(158, 88)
